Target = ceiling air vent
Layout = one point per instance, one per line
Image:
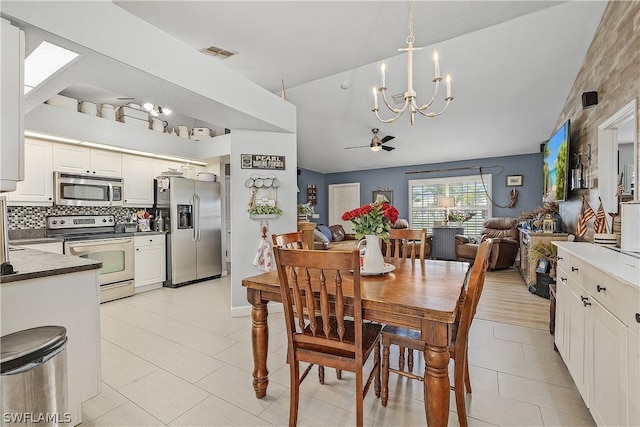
(218, 52)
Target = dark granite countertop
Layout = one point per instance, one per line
(31, 264)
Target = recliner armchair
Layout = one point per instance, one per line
(503, 232)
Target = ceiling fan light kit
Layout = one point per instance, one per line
(410, 94)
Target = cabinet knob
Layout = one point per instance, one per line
(564, 279)
(574, 268)
(638, 317)
(559, 258)
(600, 288)
(586, 302)
(88, 171)
(583, 298)
(137, 249)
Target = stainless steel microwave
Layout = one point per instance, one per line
(87, 190)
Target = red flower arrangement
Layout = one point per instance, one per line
(372, 219)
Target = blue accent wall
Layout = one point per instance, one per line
(397, 179)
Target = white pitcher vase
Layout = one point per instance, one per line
(373, 261)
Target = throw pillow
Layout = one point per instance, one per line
(337, 233)
(319, 236)
(324, 230)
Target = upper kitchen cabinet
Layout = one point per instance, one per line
(37, 187)
(83, 160)
(137, 173)
(11, 106)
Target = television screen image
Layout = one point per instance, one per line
(555, 167)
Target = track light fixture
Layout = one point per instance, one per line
(156, 110)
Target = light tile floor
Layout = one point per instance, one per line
(175, 357)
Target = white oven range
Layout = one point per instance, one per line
(94, 237)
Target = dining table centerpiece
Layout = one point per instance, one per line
(372, 222)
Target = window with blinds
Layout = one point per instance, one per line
(470, 195)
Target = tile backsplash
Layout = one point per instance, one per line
(34, 217)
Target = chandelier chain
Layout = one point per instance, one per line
(410, 38)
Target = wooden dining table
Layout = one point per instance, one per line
(422, 295)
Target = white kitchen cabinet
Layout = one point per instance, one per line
(37, 187)
(562, 295)
(599, 340)
(633, 359)
(607, 399)
(12, 160)
(150, 261)
(160, 165)
(54, 247)
(83, 160)
(578, 328)
(137, 173)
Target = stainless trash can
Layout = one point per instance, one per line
(34, 377)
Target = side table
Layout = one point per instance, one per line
(444, 244)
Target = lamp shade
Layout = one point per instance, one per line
(446, 202)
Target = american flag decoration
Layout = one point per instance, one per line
(600, 224)
(586, 213)
(620, 187)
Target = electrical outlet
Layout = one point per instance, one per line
(315, 216)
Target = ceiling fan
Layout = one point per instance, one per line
(376, 142)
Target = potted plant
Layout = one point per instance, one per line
(264, 212)
(304, 210)
(544, 250)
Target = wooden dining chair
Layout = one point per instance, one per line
(321, 328)
(295, 240)
(458, 338)
(406, 243)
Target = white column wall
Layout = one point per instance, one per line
(245, 232)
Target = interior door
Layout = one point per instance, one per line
(342, 198)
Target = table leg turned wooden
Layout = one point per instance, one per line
(259, 342)
(436, 375)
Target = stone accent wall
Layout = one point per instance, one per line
(612, 68)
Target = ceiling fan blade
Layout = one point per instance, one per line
(357, 146)
(387, 138)
(388, 148)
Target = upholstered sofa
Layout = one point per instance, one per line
(504, 233)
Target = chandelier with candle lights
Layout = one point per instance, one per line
(410, 94)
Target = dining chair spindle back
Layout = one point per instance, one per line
(320, 327)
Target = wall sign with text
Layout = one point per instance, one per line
(262, 161)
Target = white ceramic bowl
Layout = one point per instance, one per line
(89, 108)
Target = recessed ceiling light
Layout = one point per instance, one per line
(43, 62)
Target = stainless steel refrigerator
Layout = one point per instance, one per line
(194, 242)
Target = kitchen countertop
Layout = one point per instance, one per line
(35, 240)
(31, 264)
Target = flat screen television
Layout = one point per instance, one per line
(555, 167)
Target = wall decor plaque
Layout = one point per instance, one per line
(262, 161)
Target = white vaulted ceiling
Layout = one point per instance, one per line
(512, 64)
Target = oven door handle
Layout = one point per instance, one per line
(101, 242)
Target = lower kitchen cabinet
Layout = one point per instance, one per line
(597, 327)
(150, 261)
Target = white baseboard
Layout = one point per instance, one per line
(273, 307)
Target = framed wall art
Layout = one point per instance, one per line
(384, 195)
(514, 180)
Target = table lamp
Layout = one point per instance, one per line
(446, 202)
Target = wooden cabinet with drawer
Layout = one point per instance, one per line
(597, 328)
